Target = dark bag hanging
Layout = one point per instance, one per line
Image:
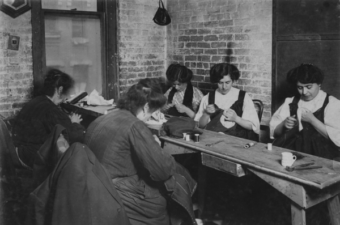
(162, 16)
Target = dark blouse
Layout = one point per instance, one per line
(36, 121)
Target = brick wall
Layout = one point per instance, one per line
(205, 32)
(142, 43)
(15, 66)
(141, 51)
(202, 32)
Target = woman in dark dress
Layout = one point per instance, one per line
(228, 109)
(183, 98)
(133, 157)
(37, 119)
(308, 122)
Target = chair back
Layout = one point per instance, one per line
(7, 147)
(259, 108)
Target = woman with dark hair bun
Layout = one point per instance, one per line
(228, 109)
(308, 122)
(133, 157)
(38, 117)
(183, 98)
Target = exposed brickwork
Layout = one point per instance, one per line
(206, 32)
(141, 50)
(202, 32)
(16, 77)
(142, 43)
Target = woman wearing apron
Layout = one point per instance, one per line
(183, 98)
(228, 109)
(308, 122)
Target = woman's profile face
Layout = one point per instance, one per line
(61, 95)
(308, 91)
(179, 86)
(225, 84)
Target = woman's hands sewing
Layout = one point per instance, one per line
(307, 115)
(75, 118)
(290, 122)
(210, 109)
(230, 115)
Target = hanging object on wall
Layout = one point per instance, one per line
(13, 42)
(14, 8)
(162, 17)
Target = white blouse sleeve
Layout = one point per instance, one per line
(250, 114)
(332, 120)
(280, 115)
(202, 107)
(167, 93)
(198, 95)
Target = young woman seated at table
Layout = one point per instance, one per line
(308, 122)
(228, 109)
(183, 98)
(39, 116)
(133, 157)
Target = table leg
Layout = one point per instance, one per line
(298, 215)
(201, 186)
(334, 210)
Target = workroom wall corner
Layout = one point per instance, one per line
(141, 42)
(16, 74)
(203, 33)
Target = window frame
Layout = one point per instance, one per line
(107, 13)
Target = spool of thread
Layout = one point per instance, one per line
(197, 138)
(270, 146)
(184, 136)
(187, 137)
(248, 145)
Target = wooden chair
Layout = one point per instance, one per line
(259, 107)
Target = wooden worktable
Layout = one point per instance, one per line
(305, 188)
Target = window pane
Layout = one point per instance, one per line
(73, 45)
(80, 5)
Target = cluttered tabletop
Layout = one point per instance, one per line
(307, 169)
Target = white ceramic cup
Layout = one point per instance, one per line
(288, 159)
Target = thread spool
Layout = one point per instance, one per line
(187, 137)
(269, 146)
(197, 138)
(184, 136)
(248, 145)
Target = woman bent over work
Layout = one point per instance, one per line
(308, 122)
(38, 117)
(228, 109)
(133, 157)
(183, 98)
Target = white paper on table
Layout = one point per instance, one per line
(95, 99)
(156, 121)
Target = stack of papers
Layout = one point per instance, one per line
(95, 99)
